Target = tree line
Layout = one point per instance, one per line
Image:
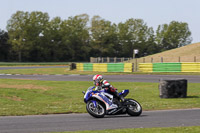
(33, 36)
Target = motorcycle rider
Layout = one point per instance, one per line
(100, 83)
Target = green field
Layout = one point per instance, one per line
(32, 97)
(33, 64)
(193, 129)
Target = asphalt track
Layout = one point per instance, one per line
(111, 78)
(74, 122)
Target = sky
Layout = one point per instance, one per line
(153, 12)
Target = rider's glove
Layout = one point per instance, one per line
(98, 88)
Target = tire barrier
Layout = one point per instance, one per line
(169, 67)
(105, 67)
(173, 88)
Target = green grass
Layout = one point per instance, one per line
(192, 129)
(37, 71)
(32, 97)
(33, 63)
(66, 71)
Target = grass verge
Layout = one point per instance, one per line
(32, 97)
(192, 129)
(37, 71)
(33, 64)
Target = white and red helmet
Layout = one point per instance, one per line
(97, 78)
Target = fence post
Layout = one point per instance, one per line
(151, 59)
(195, 59)
(132, 67)
(108, 59)
(161, 59)
(115, 59)
(143, 60)
(179, 59)
(136, 65)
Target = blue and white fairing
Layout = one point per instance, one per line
(124, 93)
(88, 94)
(101, 96)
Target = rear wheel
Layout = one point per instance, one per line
(134, 109)
(97, 111)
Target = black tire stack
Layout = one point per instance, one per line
(173, 88)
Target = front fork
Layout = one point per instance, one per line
(94, 103)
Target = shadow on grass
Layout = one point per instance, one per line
(193, 97)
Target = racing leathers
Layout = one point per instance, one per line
(104, 84)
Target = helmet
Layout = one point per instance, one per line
(97, 79)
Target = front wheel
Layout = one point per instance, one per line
(95, 109)
(134, 109)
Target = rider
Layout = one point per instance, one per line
(100, 83)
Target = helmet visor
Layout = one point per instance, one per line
(96, 82)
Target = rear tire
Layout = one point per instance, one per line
(97, 112)
(134, 110)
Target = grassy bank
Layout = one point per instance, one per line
(30, 97)
(192, 129)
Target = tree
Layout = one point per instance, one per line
(75, 38)
(52, 41)
(5, 47)
(24, 29)
(176, 34)
(104, 40)
(135, 34)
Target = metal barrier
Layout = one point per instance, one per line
(105, 67)
(170, 67)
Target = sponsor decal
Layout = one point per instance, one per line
(105, 99)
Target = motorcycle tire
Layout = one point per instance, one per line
(97, 112)
(135, 110)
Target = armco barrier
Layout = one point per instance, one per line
(166, 67)
(87, 67)
(128, 67)
(169, 67)
(79, 66)
(105, 67)
(98, 67)
(115, 67)
(190, 67)
(146, 67)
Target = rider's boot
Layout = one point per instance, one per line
(120, 97)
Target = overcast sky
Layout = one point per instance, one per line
(153, 12)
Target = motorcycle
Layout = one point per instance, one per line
(100, 103)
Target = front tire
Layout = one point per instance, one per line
(98, 112)
(135, 109)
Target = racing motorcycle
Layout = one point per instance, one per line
(100, 103)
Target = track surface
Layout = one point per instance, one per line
(112, 78)
(74, 122)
